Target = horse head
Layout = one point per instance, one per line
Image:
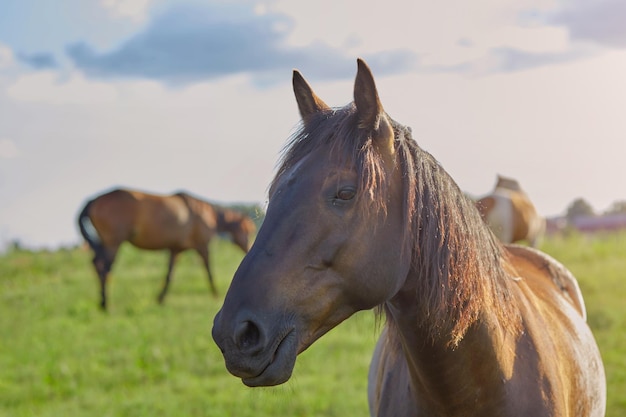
(329, 244)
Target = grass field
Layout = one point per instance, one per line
(61, 356)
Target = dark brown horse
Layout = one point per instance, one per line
(175, 222)
(510, 214)
(359, 216)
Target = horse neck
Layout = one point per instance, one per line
(224, 219)
(446, 379)
(220, 220)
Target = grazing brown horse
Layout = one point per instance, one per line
(175, 222)
(359, 216)
(510, 214)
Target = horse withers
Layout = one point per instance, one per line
(174, 222)
(360, 216)
(510, 214)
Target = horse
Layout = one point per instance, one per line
(510, 214)
(360, 217)
(174, 222)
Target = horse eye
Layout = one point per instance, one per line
(347, 193)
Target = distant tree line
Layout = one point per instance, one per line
(580, 208)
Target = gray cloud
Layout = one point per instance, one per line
(599, 21)
(509, 59)
(41, 60)
(192, 43)
(502, 60)
(590, 24)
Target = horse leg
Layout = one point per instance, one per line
(99, 263)
(204, 254)
(168, 277)
(103, 263)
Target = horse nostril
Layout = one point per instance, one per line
(247, 335)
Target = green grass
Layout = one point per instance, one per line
(61, 356)
(599, 264)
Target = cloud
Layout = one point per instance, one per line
(539, 38)
(195, 42)
(6, 56)
(509, 59)
(133, 9)
(190, 43)
(599, 21)
(47, 87)
(550, 37)
(8, 150)
(39, 60)
(504, 60)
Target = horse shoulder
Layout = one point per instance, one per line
(207, 214)
(193, 224)
(176, 209)
(203, 221)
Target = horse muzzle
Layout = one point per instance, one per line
(259, 354)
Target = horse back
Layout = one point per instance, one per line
(170, 221)
(535, 266)
(148, 221)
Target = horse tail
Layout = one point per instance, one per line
(89, 232)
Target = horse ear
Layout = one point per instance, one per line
(369, 108)
(368, 105)
(308, 102)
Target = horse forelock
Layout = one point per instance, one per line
(338, 135)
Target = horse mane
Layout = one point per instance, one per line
(457, 263)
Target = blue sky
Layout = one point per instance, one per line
(167, 95)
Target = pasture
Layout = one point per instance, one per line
(61, 356)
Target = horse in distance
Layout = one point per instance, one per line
(510, 214)
(176, 222)
(359, 216)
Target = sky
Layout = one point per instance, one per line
(162, 96)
